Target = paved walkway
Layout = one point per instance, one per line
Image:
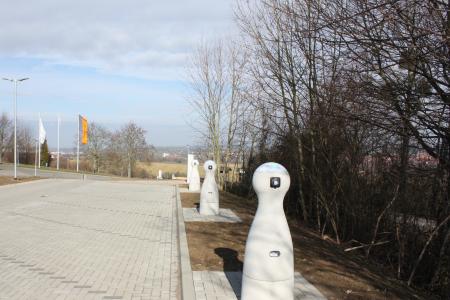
(212, 285)
(72, 239)
(225, 215)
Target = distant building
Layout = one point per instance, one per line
(423, 158)
(420, 158)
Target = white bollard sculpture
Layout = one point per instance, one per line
(159, 175)
(194, 181)
(269, 260)
(190, 159)
(209, 196)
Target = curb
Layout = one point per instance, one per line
(187, 282)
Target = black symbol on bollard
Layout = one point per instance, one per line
(275, 182)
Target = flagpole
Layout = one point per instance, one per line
(57, 157)
(39, 141)
(35, 158)
(78, 143)
(15, 130)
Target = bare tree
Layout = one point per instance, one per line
(5, 134)
(25, 144)
(349, 95)
(132, 145)
(216, 77)
(287, 70)
(402, 58)
(99, 139)
(235, 112)
(208, 83)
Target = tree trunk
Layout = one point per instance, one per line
(301, 179)
(422, 253)
(95, 166)
(441, 278)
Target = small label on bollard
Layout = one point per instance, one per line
(274, 253)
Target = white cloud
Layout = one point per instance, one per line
(144, 38)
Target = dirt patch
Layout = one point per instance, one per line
(216, 246)
(338, 275)
(4, 180)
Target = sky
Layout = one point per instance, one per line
(112, 61)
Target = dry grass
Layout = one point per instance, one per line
(172, 168)
(166, 167)
(4, 180)
(338, 275)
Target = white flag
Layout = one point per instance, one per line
(42, 133)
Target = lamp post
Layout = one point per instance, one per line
(15, 81)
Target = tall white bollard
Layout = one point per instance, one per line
(269, 260)
(209, 196)
(190, 159)
(194, 181)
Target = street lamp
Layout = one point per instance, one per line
(15, 81)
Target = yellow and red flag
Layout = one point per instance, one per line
(84, 130)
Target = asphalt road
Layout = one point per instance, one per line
(8, 170)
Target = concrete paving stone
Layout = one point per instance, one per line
(76, 239)
(214, 285)
(226, 215)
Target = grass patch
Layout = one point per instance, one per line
(167, 167)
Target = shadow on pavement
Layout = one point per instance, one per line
(232, 267)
